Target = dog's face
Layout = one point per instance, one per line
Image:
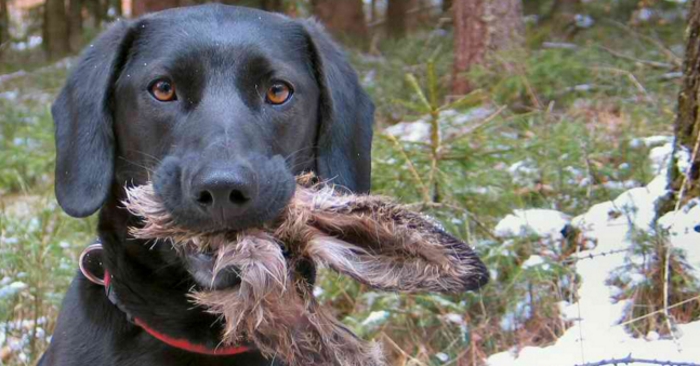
(220, 107)
(229, 115)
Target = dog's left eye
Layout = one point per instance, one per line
(278, 93)
(163, 90)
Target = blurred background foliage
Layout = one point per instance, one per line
(543, 108)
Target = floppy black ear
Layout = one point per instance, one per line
(84, 135)
(347, 114)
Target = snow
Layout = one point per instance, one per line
(376, 318)
(11, 289)
(452, 122)
(684, 232)
(541, 222)
(596, 333)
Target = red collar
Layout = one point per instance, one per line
(91, 261)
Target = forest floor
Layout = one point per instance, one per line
(551, 171)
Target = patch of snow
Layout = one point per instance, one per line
(376, 318)
(533, 261)
(596, 333)
(11, 289)
(454, 318)
(524, 170)
(418, 131)
(10, 95)
(452, 123)
(660, 157)
(541, 222)
(443, 357)
(583, 21)
(612, 184)
(684, 232)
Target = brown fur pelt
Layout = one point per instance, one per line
(369, 238)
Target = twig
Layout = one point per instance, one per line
(671, 56)
(472, 129)
(632, 78)
(559, 45)
(696, 298)
(404, 353)
(473, 217)
(629, 360)
(655, 64)
(411, 168)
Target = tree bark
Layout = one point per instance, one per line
(396, 14)
(687, 125)
(341, 17)
(141, 7)
(55, 29)
(273, 5)
(482, 27)
(94, 8)
(117, 5)
(75, 25)
(446, 6)
(4, 25)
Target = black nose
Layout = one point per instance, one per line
(226, 192)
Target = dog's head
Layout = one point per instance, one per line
(219, 106)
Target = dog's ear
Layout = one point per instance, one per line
(388, 247)
(344, 140)
(83, 118)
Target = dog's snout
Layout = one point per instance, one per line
(228, 191)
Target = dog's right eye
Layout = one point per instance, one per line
(163, 90)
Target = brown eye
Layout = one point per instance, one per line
(278, 93)
(163, 90)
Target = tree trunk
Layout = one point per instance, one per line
(94, 8)
(446, 6)
(75, 24)
(482, 27)
(55, 29)
(341, 17)
(4, 25)
(273, 5)
(396, 14)
(117, 5)
(141, 7)
(687, 124)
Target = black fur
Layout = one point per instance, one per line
(112, 132)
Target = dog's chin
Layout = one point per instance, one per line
(201, 268)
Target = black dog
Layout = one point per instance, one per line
(220, 107)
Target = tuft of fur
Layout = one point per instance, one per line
(369, 238)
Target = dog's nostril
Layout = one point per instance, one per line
(205, 198)
(237, 197)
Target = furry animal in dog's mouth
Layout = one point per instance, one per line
(369, 238)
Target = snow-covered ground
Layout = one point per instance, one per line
(596, 334)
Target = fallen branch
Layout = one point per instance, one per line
(672, 57)
(630, 360)
(696, 298)
(655, 64)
